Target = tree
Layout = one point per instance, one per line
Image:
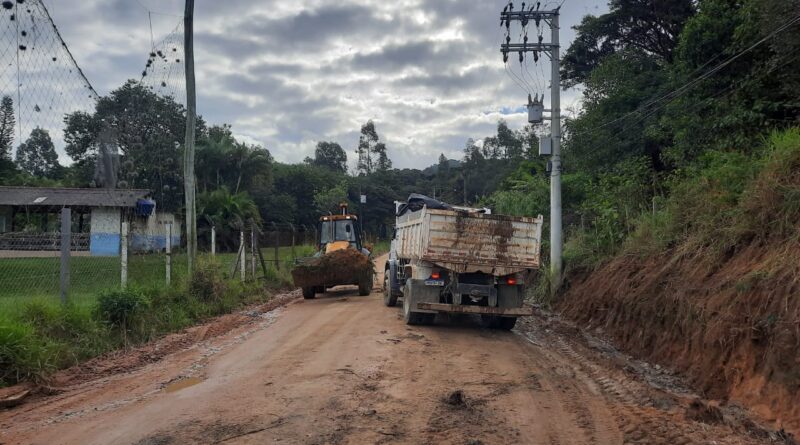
(149, 131)
(330, 155)
(327, 201)
(37, 156)
(650, 27)
(371, 151)
(229, 212)
(384, 163)
(6, 127)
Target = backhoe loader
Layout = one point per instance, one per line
(340, 259)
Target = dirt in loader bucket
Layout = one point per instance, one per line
(347, 266)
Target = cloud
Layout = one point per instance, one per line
(289, 73)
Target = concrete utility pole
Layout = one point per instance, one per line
(552, 49)
(188, 158)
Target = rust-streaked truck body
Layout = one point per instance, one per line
(462, 260)
(461, 241)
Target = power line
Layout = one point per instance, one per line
(669, 97)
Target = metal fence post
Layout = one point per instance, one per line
(168, 247)
(213, 241)
(123, 244)
(241, 256)
(66, 241)
(293, 254)
(253, 251)
(277, 247)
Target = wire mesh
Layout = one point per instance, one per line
(30, 264)
(164, 70)
(38, 72)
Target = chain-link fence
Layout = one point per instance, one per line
(262, 252)
(33, 264)
(148, 255)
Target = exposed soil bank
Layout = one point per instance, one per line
(732, 325)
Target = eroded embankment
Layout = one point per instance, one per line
(732, 326)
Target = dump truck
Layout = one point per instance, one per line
(340, 259)
(453, 259)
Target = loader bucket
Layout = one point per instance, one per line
(347, 266)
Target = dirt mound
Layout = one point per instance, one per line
(730, 324)
(339, 267)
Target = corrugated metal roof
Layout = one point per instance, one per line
(63, 197)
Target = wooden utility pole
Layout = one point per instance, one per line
(188, 157)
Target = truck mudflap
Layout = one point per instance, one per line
(467, 309)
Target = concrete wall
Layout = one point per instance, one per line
(150, 234)
(105, 231)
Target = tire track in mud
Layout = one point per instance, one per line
(643, 414)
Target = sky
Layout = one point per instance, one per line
(289, 73)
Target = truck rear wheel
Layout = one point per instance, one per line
(389, 299)
(415, 318)
(365, 285)
(497, 322)
(309, 293)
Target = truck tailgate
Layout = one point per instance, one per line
(471, 242)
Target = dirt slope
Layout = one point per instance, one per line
(346, 369)
(732, 325)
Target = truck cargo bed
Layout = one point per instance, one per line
(464, 241)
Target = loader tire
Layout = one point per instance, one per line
(389, 299)
(309, 293)
(497, 322)
(365, 285)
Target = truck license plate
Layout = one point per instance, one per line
(434, 282)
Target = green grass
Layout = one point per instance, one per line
(39, 335)
(26, 279)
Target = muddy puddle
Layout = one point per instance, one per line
(182, 384)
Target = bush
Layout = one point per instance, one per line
(207, 282)
(74, 327)
(121, 308)
(23, 355)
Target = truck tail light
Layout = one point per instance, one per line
(435, 275)
(511, 281)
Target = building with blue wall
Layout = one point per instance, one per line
(97, 217)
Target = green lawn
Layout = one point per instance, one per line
(26, 279)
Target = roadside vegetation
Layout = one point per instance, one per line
(40, 335)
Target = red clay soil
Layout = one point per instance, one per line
(344, 266)
(731, 325)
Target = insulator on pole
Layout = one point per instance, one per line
(520, 57)
(510, 6)
(505, 56)
(535, 56)
(540, 39)
(508, 39)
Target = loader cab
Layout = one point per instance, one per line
(339, 232)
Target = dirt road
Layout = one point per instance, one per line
(346, 369)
